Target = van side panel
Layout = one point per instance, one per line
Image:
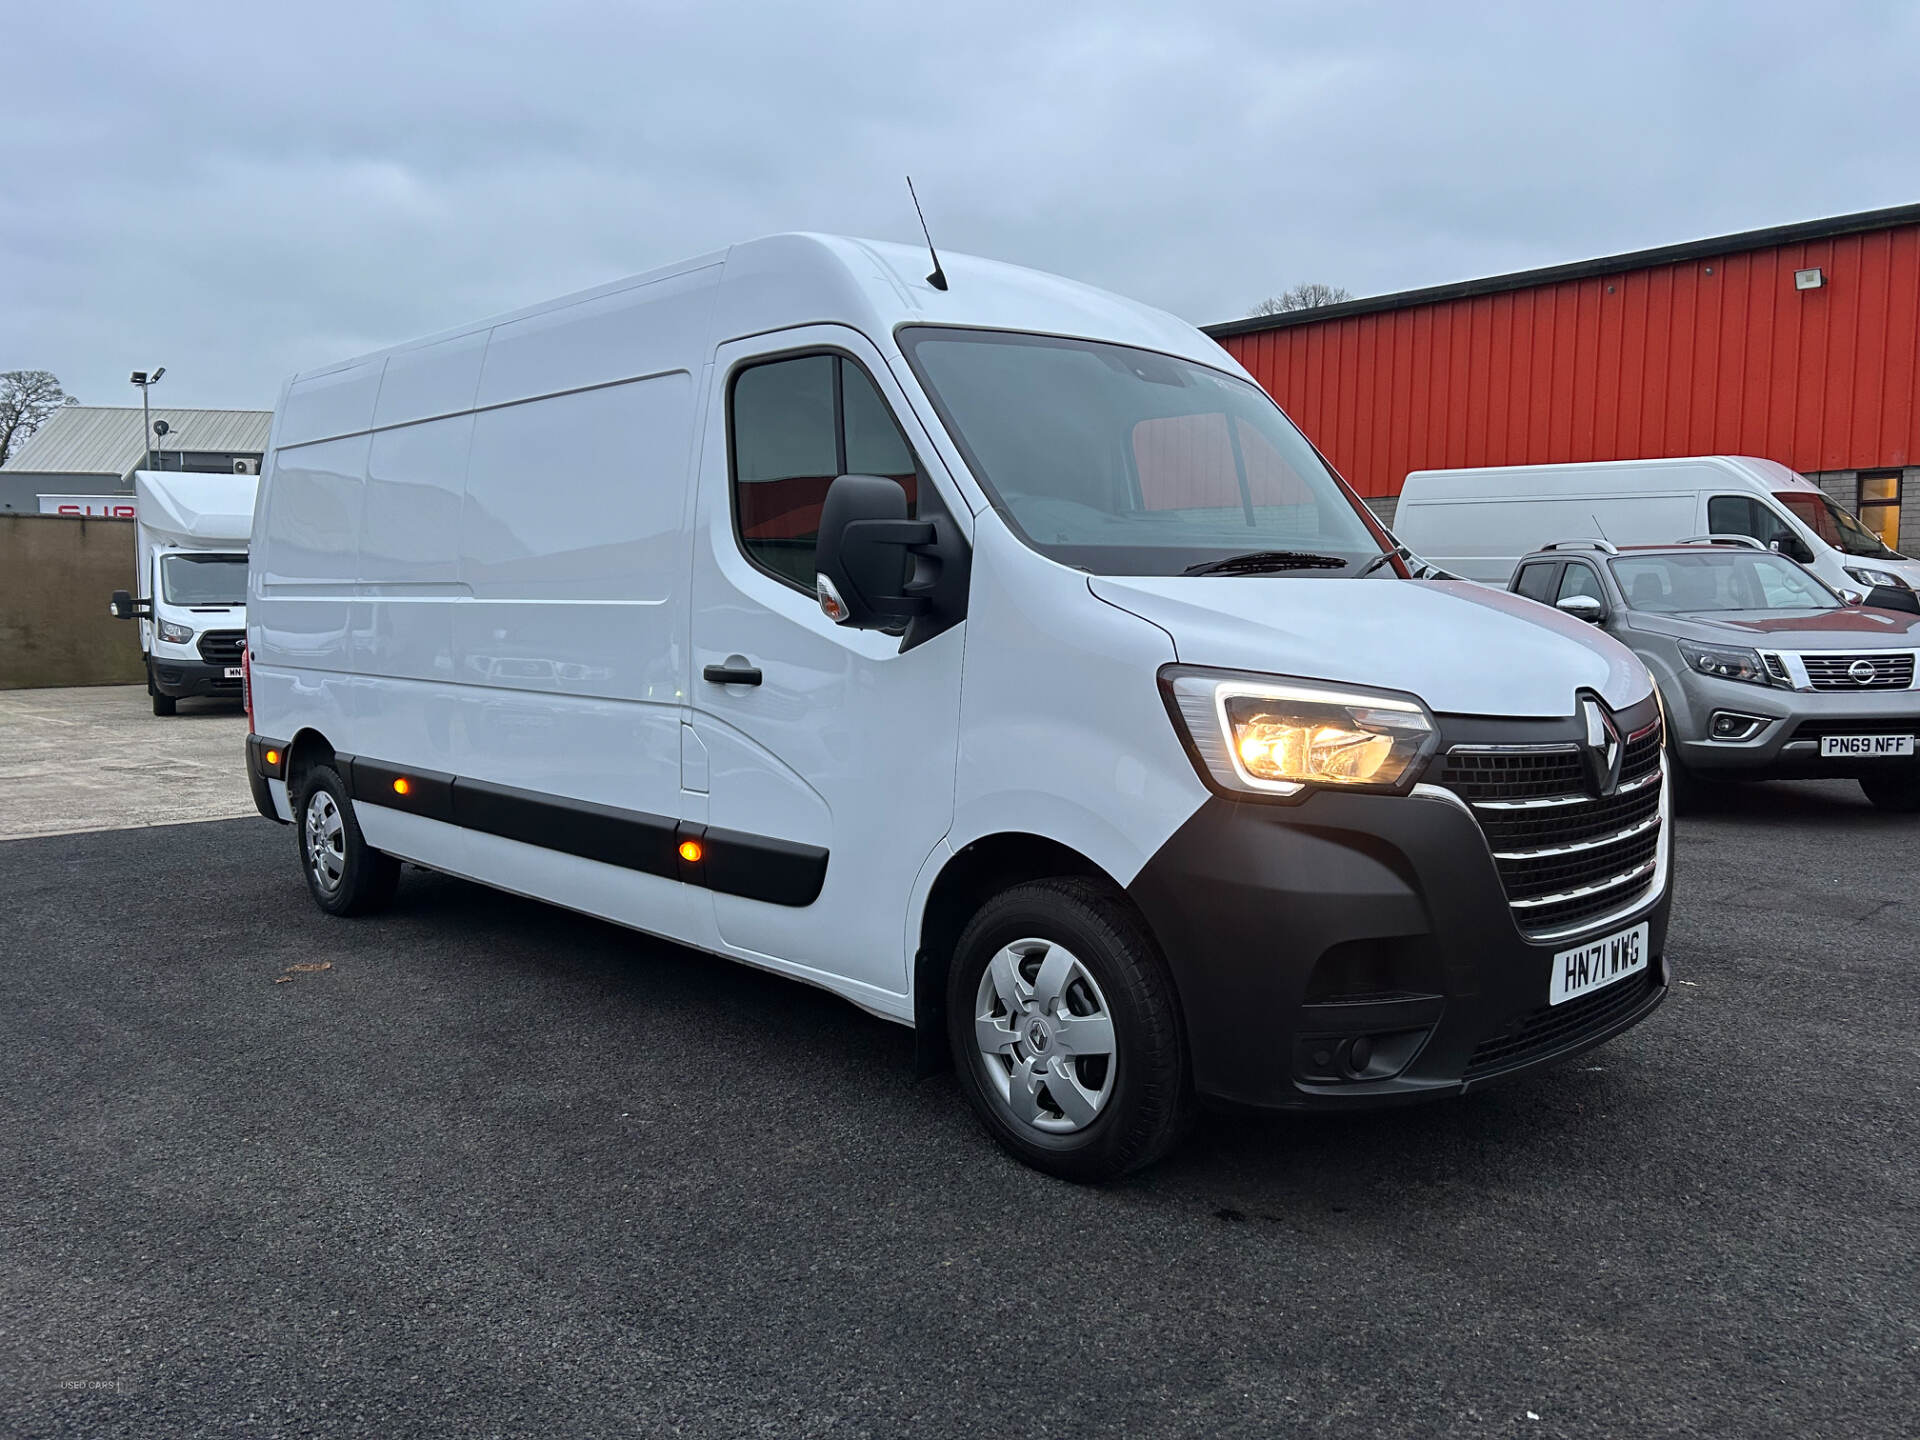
(307, 567)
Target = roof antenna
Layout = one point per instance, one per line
(1598, 526)
(938, 279)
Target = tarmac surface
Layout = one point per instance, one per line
(494, 1169)
(97, 758)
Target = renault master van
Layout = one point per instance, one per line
(1479, 523)
(984, 648)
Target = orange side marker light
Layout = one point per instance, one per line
(690, 851)
(273, 757)
(402, 785)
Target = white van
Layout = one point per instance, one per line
(190, 582)
(1478, 523)
(991, 652)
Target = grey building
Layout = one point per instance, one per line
(94, 450)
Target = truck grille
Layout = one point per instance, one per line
(222, 647)
(1831, 672)
(1555, 1027)
(1565, 855)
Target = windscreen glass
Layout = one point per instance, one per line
(1124, 461)
(1718, 580)
(1832, 524)
(203, 579)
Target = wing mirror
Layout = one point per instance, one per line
(1892, 597)
(1793, 547)
(1582, 607)
(122, 606)
(878, 569)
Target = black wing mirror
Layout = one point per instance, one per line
(880, 570)
(1892, 597)
(1793, 547)
(124, 607)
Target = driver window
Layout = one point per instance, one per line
(796, 425)
(1580, 580)
(1731, 515)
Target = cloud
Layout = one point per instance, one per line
(237, 192)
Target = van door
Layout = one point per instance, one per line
(825, 754)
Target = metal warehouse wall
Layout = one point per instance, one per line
(1711, 356)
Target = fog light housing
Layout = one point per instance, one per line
(1733, 726)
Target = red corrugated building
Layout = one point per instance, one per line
(1800, 344)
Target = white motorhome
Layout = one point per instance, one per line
(1478, 523)
(982, 647)
(190, 582)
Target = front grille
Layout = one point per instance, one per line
(1830, 672)
(1565, 855)
(1557, 1027)
(222, 647)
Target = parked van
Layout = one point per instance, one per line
(190, 582)
(982, 647)
(1479, 523)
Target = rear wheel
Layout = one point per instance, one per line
(1894, 789)
(1065, 1032)
(345, 875)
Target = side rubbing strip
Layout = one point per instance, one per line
(631, 839)
(780, 872)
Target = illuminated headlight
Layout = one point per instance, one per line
(1726, 664)
(1278, 737)
(175, 634)
(1867, 575)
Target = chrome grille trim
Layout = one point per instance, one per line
(1548, 851)
(1626, 877)
(1626, 788)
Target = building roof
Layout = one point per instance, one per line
(106, 439)
(1797, 234)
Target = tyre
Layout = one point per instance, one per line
(1894, 789)
(1065, 1032)
(164, 704)
(345, 875)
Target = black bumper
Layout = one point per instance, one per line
(182, 679)
(1295, 931)
(261, 768)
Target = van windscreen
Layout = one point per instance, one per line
(1129, 462)
(203, 579)
(1832, 524)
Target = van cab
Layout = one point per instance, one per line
(993, 653)
(1479, 522)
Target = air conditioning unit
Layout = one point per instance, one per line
(246, 467)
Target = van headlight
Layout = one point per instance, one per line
(175, 634)
(1256, 736)
(1870, 577)
(1725, 662)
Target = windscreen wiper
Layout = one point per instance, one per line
(1382, 558)
(1266, 562)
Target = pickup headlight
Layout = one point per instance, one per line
(1868, 576)
(1724, 663)
(1278, 737)
(175, 634)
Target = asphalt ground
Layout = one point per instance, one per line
(501, 1170)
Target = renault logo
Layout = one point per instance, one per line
(1603, 749)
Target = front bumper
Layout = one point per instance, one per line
(1788, 747)
(182, 679)
(1293, 930)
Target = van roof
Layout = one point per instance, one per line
(785, 280)
(1749, 471)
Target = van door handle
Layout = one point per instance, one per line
(736, 671)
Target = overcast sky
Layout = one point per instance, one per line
(238, 192)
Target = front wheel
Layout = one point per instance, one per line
(1897, 790)
(1065, 1032)
(345, 875)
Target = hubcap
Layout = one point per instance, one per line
(326, 835)
(1045, 1037)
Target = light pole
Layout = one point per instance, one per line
(145, 382)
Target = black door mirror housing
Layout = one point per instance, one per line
(123, 606)
(878, 569)
(1582, 607)
(1793, 547)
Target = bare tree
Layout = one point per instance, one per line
(27, 398)
(1310, 295)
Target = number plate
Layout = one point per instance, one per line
(1590, 967)
(1873, 747)
(234, 672)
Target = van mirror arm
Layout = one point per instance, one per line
(122, 606)
(878, 569)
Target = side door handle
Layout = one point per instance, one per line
(733, 671)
